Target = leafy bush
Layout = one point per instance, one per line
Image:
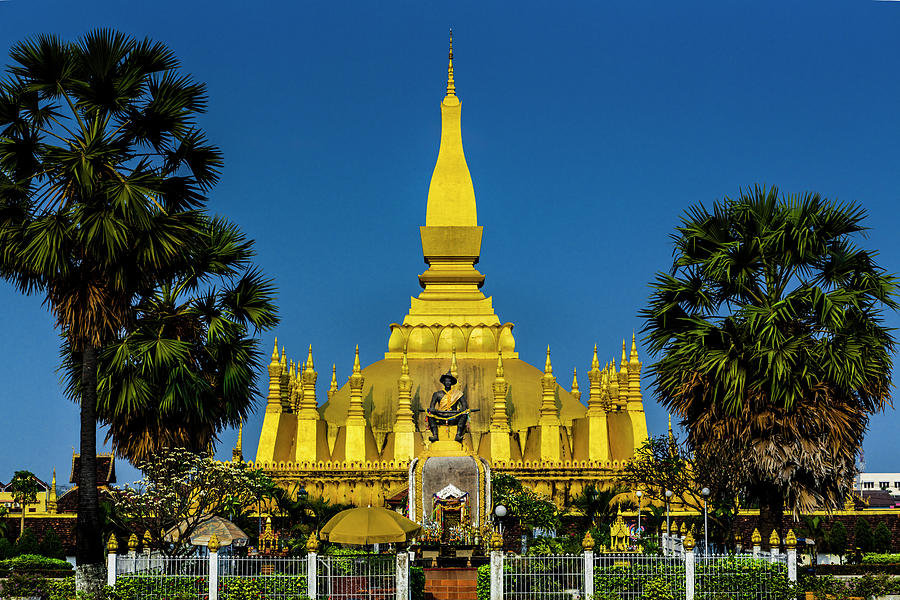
(828, 586)
(882, 538)
(881, 559)
(33, 562)
(417, 583)
(657, 589)
(27, 543)
(483, 583)
(171, 588)
(553, 546)
(6, 549)
(52, 546)
(837, 539)
(61, 589)
(863, 535)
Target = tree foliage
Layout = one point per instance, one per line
(532, 510)
(771, 342)
(180, 490)
(882, 538)
(662, 463)
(24, 487)
(862, 535)
(837, 539)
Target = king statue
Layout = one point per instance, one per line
(448, 407)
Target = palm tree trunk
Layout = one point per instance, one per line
(22, 520)
(88, 529)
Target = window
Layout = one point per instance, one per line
(897, 484)
(868, 485)
(32, 510)
(883, 484)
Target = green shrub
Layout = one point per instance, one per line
(417, 583)
(51, 545)
(657, 589)
(33, 562)
(61, 589)
(6, 549)
(881, 559)
(837, 539)
(483, 583)
(882, 538)
(863, 535)
(27, 543)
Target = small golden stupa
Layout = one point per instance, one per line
(357, 446)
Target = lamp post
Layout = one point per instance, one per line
(639, 495)
(668, 536)
(705, 493)
(500, 512)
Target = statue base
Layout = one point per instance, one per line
(446, 444)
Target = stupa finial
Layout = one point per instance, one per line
(275, 352)
(548, 368)
(356, 369)
(451, 85)
(309, 359)
(595, 364)
(500, 365)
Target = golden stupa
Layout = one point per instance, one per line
(357, 446)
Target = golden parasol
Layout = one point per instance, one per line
(369, 525)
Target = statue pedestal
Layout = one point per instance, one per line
(445, 475)
(446, 444)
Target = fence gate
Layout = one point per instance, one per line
(357, 577)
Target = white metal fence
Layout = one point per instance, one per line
(155, 577)
(214, 577)
(359, 577)
(627, 576)
(549, 577)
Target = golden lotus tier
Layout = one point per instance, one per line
(357, 446)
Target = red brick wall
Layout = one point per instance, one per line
(450, 584)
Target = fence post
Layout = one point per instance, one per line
(112, 547)
(496, 566)
(312, 563)
(588, 544)
(213, 546)
(774, 546)
(756, 538)
(402, 575)
(689, 562)
(790, 544)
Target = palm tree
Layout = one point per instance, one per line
(102, 170)
(772, 345)
(185, 367)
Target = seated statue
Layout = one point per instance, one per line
(448, 407)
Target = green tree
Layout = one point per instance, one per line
(27, 543)
(837, 540)
(6, 549)
(596, 505)
(882, 538)
(771, 343)
(180, 490)
(103, 171)
(862, 535)
(24, 487)
(51, 545)
(532, 510)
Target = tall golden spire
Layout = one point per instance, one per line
(237, 453)
(451, 196)
(451, 86)
(576, 393)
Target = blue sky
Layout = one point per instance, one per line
(588, 128)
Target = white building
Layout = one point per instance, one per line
(868, 482)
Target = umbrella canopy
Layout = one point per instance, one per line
(225, 530)
(369, 525)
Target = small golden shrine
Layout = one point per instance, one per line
(268, 540)
(368, 441)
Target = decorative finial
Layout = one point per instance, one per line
(404, 364)
(312, 542)
(670, 427)
(755, 537)
(689, 542)
(548, 368)
(213, 543)
(790, 540)
(147, 540)
(283, 359)
(634, 353)
(500, 364)
(309, 359)
(575, 389)
(624, 358)
(112, 546)
(275, 352)
(496, 541)
(334, 385)
(774, 540)
(240, 434)
(356, 368)
(595, 364)
(453, 366)
(587, 542)
(451, 86)
(132, 543)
